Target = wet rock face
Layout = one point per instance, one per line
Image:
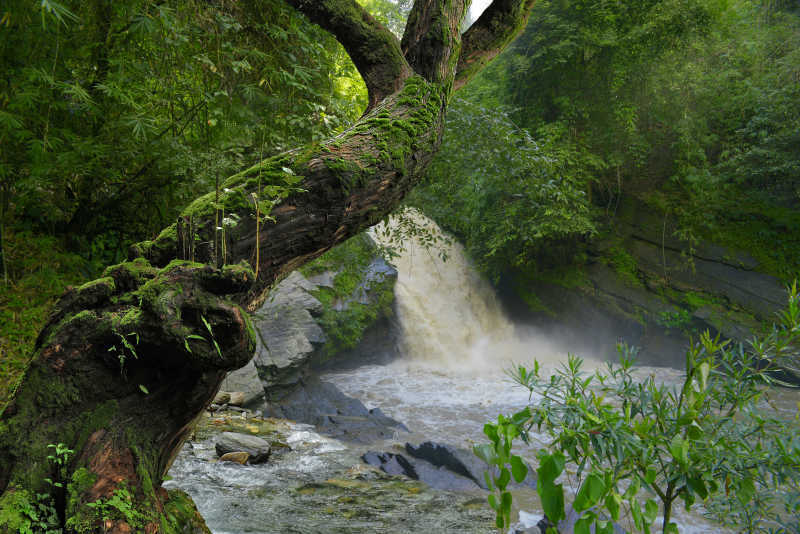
(288, 334)
(243, 387)
(291, 338)
(645, 286)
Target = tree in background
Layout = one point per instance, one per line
(127, 362)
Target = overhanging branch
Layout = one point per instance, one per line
(374, 50)
(500, 24)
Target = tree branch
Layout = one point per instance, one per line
(374, 50)
(432, 39)
(500, 24)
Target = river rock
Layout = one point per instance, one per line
(439, 465)
(240, 457)
(460, 461)
(322, 404)
(222, 397)
(437, 477)
(258, 448)
(244, 387)
(393, 464)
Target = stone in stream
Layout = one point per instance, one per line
(439, 465)
(393, 464)
(245, 387)
(322, 404)
(460, 461)
(237, 457)
(258, 449)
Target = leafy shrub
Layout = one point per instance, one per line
(633, 440)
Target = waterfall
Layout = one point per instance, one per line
(449, 315)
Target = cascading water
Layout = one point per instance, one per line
(449, 315)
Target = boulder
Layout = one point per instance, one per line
(322, 404)
(459, 461)
(244, 387)
(439, 465)
(287, 335)
(258, 448)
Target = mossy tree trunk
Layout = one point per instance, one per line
(127, 362)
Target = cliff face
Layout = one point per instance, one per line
(642, 284)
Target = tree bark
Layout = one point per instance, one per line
(126, 363)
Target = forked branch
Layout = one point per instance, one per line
(502, 21)
(374, 50)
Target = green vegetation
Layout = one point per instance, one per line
(687, 108)
(104, 136)
(637, 446)
(39, 269)
(344, 317)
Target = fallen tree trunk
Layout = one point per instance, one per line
(126, 363)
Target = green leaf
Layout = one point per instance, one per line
(590, 492)
(697, 485)
(552, 501)
(650, 510)
(679, 449)
(493, 501)
(485, 452)
(632, 490)
(208, 326)
(504, 478)
(747, 490)
(550, 466)
(636, 512)
(144, 389)
(613, 505)
(488, 478)
(702, 375)
(671, 528)
(518, 468)
(582, 526)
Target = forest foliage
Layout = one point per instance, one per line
(689, 107)
(113, 115)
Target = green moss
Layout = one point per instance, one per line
(98, 418)
(82, 480)
(133, 272)
(624, 264)
(15, 505)
(239, 270)
(350, 260)
(129, 321)
(181, 515)
(160, 250)
(103, 285)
